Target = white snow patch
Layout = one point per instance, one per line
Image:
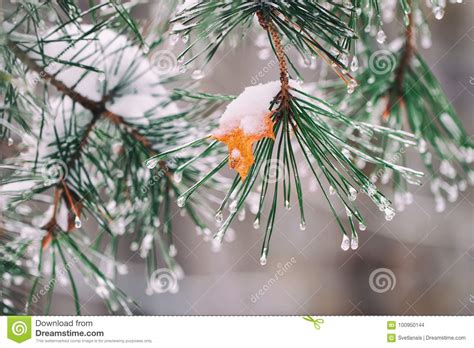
(235, 154)
(123, 68)
(248, 110)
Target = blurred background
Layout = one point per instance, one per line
(419, 263)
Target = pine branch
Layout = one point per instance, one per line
(397, 91)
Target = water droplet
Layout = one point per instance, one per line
(256, 223)
(178, 176)
(389, 214)
(151, 163)
(352, 194)
(77, 222)
(181, 201)
(172, 251)
(440, 204)
(10, 141)
(438, 12)
(351, 86)
(241, 215)
(371, 190)
(345, 243)
(263, 258)
(264, 53)
(354, 242)
(354, 64)
(422, 146)
(174, 38)
(233, 206)
(381, 36)
(426, 40)
(197, 74)
(146, 49)
(302, 225)
(362, 227)
(122, 269)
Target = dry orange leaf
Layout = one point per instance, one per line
(240, 145)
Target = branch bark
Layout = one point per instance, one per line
(280, 54)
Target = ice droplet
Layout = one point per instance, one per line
(438, 12)
(181, 201)
(197, 74)
(256, 223)
(233, 206)
(174, 38)
(219, 216)
(151, 163)
(352, 194)
(263, 258)
(354, 242)
(172, 251)
(302, 225)
(345, 243)
(381, 36)
(422, 146)
(351, 86)
(354, 64)
(10, 141)
(389, 214)
(77, 222)
(178, 176)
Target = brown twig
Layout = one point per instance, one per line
(52, 223)
(120, 122)
(280, 54)
(396, 91)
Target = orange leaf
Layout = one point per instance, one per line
(240, 145)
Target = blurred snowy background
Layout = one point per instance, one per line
(429, 255)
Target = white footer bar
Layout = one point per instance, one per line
(237, 331)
